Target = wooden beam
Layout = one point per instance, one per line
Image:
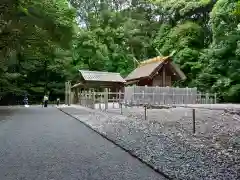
(164, 76)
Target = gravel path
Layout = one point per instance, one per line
(165, 140)
(45, 144)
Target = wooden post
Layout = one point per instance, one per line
(194, 121)
(145, 112)
(164, 76)
(74, 96)
(200, 99)
(121, 108)
(69, 92)
(173, 98)
(167, 96)
(86, 98)
(146, 94)
(191, 96)
(80, 98)
(100, 101)
(79, 92)
(89, 99)
(153, 99)
(163, 94)
(109, 95)
(93, 99)
(119, 97)
(77, 97)
(143, 96)
(177, 97)
(207, 98)
(195, 95)
(106, 98)
(215, 98)
(113, 101)
(182, 97)
(65, 93)
(133, 98)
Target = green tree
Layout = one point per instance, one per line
(222, 57)
(32, 32)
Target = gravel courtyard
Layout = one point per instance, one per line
(165, 139)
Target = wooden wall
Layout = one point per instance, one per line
(163, 78)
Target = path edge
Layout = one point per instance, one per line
(118, 145)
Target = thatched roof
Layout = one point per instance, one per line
(150, 67)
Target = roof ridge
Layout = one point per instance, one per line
(153, 60)
(100, 71)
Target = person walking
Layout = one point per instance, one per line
(25, 101)
(45, 99)
(58, 101)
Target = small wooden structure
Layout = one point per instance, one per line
(158, 71)
(97, 81)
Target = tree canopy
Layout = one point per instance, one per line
(35, 39)
(44, 43)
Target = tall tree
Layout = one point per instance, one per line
(37, 28)
(222, 57)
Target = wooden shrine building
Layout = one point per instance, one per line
(98, 81)
(158, 71)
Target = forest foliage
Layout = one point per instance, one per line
(43, 43)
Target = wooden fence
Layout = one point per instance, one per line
(160, 95)
(101, 100)
(137, 96)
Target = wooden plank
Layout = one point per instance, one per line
(164, 76)
(106, 98)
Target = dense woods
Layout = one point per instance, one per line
(44, 42)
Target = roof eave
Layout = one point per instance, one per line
(178, 71)
(156, 70)
(90, 80)
(122, 80)
(135, 79)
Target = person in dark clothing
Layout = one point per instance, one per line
(25, 100)
(58, 101)
(45, 99)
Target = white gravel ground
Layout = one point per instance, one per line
(165, 139)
